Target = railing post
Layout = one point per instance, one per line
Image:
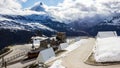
(3, 61)
(5, 64)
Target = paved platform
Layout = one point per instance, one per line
(76, 58)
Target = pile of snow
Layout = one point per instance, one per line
(107, 49)
(75, 45)
(57, 64)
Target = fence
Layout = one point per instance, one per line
(11, 58)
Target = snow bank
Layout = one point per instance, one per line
(57, 64)
(75, 45)
(107, 49)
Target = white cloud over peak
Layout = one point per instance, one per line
(71, 10)
(11, 4)
(23, 0)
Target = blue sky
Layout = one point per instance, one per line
(29, 3)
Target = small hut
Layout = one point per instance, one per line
(37, 39)
(61, 37)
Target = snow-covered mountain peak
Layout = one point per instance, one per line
(38, 7)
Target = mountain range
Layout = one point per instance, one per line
(18, 27)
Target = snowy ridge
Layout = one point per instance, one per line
(113, 20)
(11, 25)
(39, 26)
(25, 20)
(21, 26)
(42, 21)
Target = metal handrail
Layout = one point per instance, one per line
(13, 57)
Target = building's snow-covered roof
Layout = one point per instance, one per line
(52, 38)
(39, 38)
(105, 34)
(107, 49)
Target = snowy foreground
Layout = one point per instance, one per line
(57, 64)
(107, 49)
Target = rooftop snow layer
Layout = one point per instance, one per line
(107, 49)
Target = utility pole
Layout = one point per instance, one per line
(33, 47)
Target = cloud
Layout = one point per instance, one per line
(71, 10)
(11, 4)
(23, 0)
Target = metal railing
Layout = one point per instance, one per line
(12, 58)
